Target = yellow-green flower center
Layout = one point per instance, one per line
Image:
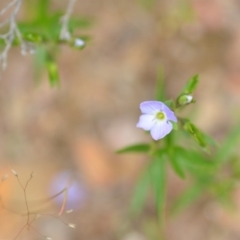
(160, 116)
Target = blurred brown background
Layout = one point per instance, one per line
(79, 126)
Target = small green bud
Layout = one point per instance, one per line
(185, 99)
(53, 73)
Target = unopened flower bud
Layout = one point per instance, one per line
(185, 99)
(79, 43)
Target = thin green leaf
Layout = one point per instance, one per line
(198, 136)
(175, 161)
(193, 159)
(191, 85)
(140, 193)
(227, 148)
(187, 198)
(158, 183)
(177, 167)
(136, 148)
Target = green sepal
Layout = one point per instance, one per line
(170, 103)
(175, 125)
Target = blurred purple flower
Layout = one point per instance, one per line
(156, 117)
(75, 191)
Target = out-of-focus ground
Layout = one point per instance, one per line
(78, 127)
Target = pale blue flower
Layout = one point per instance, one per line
(75, 191)
(156, 117)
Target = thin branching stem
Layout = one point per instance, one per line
(65, 34)
(13, 31)
(31, 215)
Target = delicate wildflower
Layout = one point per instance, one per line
(156, 117)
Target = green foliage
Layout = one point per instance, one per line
(177, 165)
(43, 30)
(203, 166)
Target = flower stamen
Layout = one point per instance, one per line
(160, 116)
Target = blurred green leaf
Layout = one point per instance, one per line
(227, 147)
(140, 193)
(196, 134)
(136, 148)
(33, 37)
(191, 85)
(187, 198)
(223, 189)
(177, 167)
(160, 86)
(39, 61)
(192, 158)
(158, 182)
(42, 9)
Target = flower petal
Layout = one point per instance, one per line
(146, 121)
(150, 107)
(160, 130)
(170, 114)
